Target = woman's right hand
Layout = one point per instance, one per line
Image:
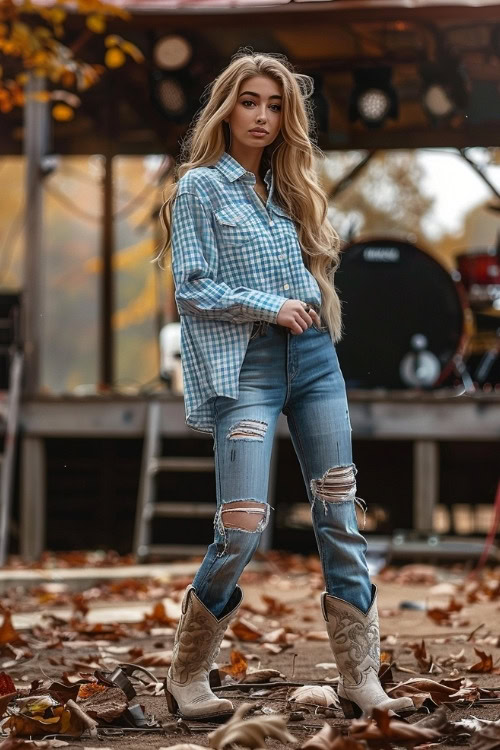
(293, 315)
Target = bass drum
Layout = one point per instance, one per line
(405, 316)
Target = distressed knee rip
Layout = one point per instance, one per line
(248, 429)
(249, 516)
(338, 484)
(245, 515)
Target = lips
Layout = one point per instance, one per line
(259, 130)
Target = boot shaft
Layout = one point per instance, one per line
(198, 637)
(354, 637)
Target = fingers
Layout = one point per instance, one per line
(304, 319)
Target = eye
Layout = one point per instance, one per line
(277, 107)
(247, 101)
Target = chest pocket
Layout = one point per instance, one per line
(286, 224)
(237, 225)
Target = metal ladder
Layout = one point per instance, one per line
(149, 508)
(9, 418)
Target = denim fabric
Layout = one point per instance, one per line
(300, 376)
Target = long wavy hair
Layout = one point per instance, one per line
(291, 157)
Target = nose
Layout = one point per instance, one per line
(261, 116)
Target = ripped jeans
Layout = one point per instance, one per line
(300, 376)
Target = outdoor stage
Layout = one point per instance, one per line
(424, 419)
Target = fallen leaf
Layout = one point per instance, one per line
(273, 648)
(420, 654)
(250, 732)
(6, 684)
(438, 692)
(275, 636)
(8, 634)
(317, 635)
(155, 659)
(383, 727)
(487, 738)
(245, 631)
(157, 617)
(60, 721)
(4, 702)
(275, 607)
(441, 615)
(485, 665)
(238, 666)
(316, 695)
(262, 675)
(329, 738)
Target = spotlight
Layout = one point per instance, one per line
(172, 52)
(373, 98)
(445, 89)
(181, 70)
(173, 94)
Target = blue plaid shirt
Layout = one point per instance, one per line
(234, 261)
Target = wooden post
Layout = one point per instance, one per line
(36, 135)
(107, 281)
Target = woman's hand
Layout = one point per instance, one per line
(293, 315)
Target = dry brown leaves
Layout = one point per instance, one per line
(487, 738)
(7, 632)
(41, 718)
(244, 630)
(445, 615)
(329, 738)
(420, 654)
(316, 695)
(238, 666)
(485, 664)
(421, 689)
(382, 730)
(250, 732)
(410, 574)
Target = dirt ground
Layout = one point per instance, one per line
(405, 598)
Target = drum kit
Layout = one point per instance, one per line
(409, 322)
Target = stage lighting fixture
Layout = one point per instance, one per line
(172, 52)
(173, 94)
(373, 98)
(444, 88)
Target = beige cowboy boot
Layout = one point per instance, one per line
(355, 641)
(197, 643)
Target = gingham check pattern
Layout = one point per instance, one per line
(234, 261)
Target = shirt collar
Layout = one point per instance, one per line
(233, 170)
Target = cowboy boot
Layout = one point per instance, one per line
(197, 643)
(355, 642)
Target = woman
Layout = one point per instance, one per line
(253, 258)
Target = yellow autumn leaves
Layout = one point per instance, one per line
(37, 50)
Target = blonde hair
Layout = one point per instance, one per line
(291, 157)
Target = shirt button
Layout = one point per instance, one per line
(271, 223)
(286, 286)
(281, 257)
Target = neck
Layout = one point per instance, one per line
(250, 160)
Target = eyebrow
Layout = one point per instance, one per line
(252, 93)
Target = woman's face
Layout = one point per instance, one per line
(258, 106)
